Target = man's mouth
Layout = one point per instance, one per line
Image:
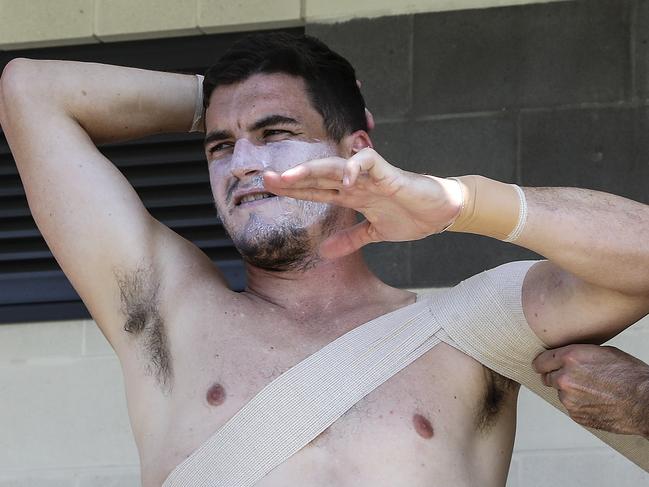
(249, 198)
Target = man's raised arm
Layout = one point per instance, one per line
(596, 282)
(53, 113)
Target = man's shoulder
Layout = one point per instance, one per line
(501, 284)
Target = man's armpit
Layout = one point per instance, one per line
(498, 390)
(139, 295)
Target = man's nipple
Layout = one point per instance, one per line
(216, 395)
(423, 426)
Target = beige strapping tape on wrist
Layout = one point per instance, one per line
(490, 208)
(482, 317)
(197, 122)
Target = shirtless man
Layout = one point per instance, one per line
(193, 352)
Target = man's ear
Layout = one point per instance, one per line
(355, 142)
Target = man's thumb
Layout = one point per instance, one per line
(346, 241)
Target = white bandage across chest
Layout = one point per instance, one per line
(482, 317)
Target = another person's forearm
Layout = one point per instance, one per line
(634, 405)
(601, 387)
(643, 410)
(111, 103)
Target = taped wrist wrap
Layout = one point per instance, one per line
(490, 208)
(197, 122)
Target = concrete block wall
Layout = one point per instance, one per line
(552, 94)
(38, 23)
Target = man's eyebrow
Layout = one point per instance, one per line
(259, 124)
(217, 135)
(273, 120)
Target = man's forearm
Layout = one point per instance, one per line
(111, 103)
(601, 238)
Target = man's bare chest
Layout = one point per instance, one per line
(430, 408)
(426, 411)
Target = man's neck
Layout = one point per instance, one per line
(324, 289)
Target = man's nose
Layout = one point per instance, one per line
(247, 159)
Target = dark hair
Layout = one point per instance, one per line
(330, 79)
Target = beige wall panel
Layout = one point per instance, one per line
(512, 478)
(74, 477)
(25, 342)
(596, 468)
(39, 479)
(60, 413)
(339, 10)
(128, 19)
(238, 15)
(110, 478)
(36, 23)
(94, 343)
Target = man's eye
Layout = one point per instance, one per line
(272, 132)
(219, 147)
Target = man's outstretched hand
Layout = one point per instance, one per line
(398, 205)
(601, 387)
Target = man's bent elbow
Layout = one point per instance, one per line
(14, 75)
(15, 85)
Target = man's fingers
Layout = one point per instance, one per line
(550, 379)
(329, 168)
(271, 178)
(346, 241)
(549, 360)
(317, 174)
(327, 173)
(310, 194)
(366, 160)
(309, 182)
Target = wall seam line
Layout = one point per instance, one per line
(518, 165)
(633, 30)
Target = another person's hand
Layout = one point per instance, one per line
(601, 387)
(398, 205)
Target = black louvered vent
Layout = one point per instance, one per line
(168, 172)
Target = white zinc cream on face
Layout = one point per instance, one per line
(243, 166)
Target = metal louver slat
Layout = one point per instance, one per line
(156, 151)
(16, 249)
(10, 186)
(21, 227)
(178, 217)
(13, 268)
(7, 166)
(185, 195)
(168, 175)
(13, 206)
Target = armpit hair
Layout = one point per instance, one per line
(141, 309)
(498, 387)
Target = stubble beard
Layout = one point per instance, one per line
(288, 243)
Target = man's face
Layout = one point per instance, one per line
(266, 122)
